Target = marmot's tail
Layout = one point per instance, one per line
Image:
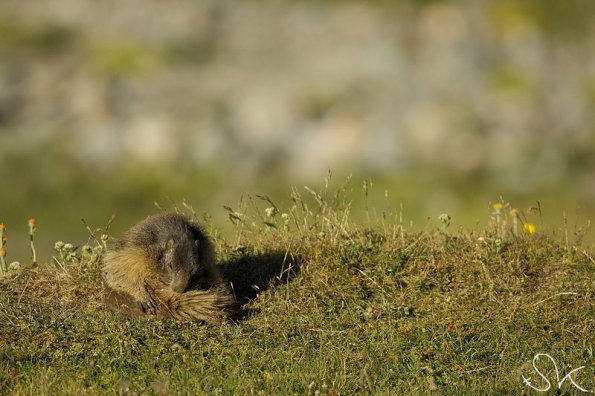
(213, 305)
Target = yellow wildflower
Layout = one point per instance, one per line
(530, 228)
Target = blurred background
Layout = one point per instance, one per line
(109, 106)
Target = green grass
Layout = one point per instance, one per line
(378, 309)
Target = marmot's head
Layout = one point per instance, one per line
(184, 255)
(185, 259)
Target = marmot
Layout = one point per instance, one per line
(166, 265)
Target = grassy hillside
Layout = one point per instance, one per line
(332, 308)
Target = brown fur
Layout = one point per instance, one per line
(165, 266)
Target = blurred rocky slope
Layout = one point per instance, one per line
(501, 89)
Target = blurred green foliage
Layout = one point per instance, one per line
(17, 36)
(50, 183)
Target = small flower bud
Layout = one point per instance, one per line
(271, 212)
(59, 245)
(444, 218)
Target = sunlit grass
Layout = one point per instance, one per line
(378, 308)
(3, 240)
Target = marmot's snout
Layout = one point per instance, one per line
(180, 283)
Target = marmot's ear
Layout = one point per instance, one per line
(170, 244)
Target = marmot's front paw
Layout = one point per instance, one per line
(148, 307)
